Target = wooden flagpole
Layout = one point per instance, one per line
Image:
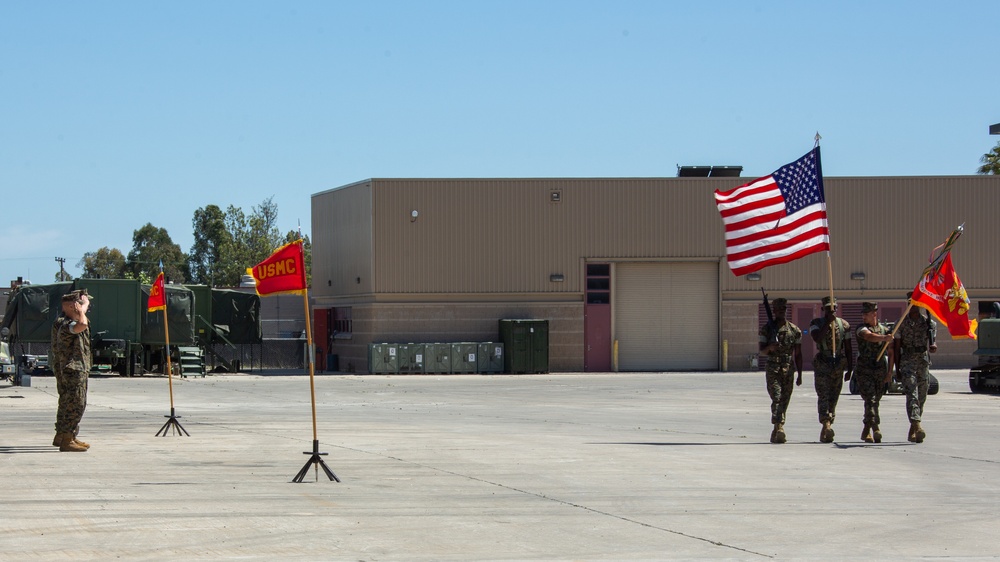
(171, 422)
(316, 457)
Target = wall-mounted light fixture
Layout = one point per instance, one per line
(753, 276)
(858, 276)
(413, 215)
(555, 196)
(557, 278)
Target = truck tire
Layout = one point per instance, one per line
(932, 384)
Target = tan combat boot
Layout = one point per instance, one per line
(919, 434)
(57, 440)
(826, 434)
(69, 445)
(81, 443)
(866, 434)
(876, 434)
(912, 435)
(779, 433)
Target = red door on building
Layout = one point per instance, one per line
(597, 318)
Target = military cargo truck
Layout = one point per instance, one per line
(125, 338)
(985, 376)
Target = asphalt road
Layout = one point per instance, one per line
(650, 466)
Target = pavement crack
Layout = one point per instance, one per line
(579, 506)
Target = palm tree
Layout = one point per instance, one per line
(991, 162)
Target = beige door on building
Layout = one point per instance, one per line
(666, 316)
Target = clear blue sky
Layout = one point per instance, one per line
(114, 114)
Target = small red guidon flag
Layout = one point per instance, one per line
(157, 297)
(283, 272)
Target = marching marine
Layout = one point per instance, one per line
(834, 353)
(781, 341)
(915, 339)
(872, 375)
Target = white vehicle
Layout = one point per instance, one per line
(6, 361)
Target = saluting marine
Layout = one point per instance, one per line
(71, 361)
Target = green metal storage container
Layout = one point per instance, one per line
(180, 314)
(437, 358)
(32, 310)
(411, 357)
(383, 358)
(115, 316)
(463, 357)
(526, 345)
(490, 358)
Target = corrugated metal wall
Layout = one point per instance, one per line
(509, 236)
(887, 228)
(342, 241)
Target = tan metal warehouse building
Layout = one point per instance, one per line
(637, 262)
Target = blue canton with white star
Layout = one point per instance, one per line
(800, 182)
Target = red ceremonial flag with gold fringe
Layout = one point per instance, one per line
(941, 292)
(283, 272)
(157, 296)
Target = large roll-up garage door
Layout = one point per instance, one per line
(666, 316)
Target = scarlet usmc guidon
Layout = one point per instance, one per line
(157, 296)
(283, 272)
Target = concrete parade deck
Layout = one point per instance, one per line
(637, 466)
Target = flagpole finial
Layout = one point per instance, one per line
(817, 137)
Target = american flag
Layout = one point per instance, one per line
(776, 219)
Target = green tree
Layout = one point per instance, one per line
(991, 162)
(234, 257)
(307, 254)
(150, 247)
(105, 263)
(210, 239)
(263, 236)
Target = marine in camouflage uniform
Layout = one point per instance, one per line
(872, 375)
(915, 339)
(829, 364)
(71, 362)
(782, 343)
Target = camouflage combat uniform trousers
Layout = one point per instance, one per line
(914, 370)
(779, 379)
(871, 385)
(829, 381)
(72, 387)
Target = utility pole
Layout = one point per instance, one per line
(62, 270)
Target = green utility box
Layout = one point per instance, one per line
(490, 358)
(437, 358)
(463, 357)
(383, 358)
(526, 345)
(411, 357)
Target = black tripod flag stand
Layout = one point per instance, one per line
(316, 457)
(158, 301)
